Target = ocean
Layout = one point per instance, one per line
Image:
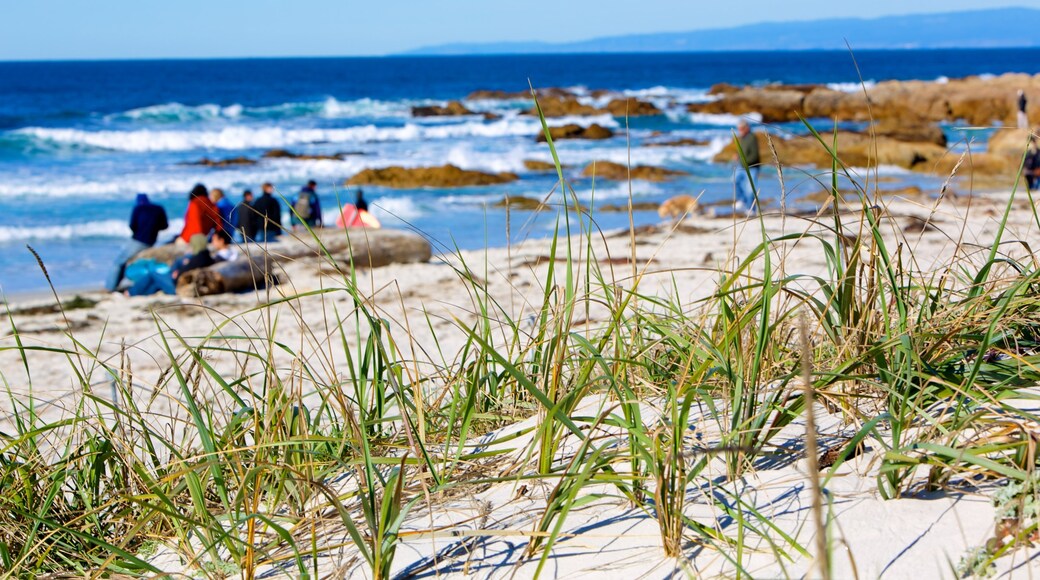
(79, 139)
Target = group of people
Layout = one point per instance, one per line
(212, 216)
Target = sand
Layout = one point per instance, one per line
(920, 535)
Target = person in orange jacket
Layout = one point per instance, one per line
(202, 216)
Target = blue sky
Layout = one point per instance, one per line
(84, 29)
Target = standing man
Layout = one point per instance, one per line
(146, 221)
(243, 219)
(748, 165)
(268, 215)
(306, 207)
(1023, 119)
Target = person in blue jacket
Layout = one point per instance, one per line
(146, 221)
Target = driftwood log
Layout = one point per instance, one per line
(243, 274)
(365, 248)
(362, 247)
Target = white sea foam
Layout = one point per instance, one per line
(713, 119)
(330, 107)
(74, 231)
(851, 87)
(242, 137)
(395, 209)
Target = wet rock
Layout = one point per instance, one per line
(231, 162)
(574, 131)
(413, 177)
(540, 166)
(564, 107)
(775, 105)
(620, 172)
(520, 202)
(683, 142)
(853, 149)
(632, 107)
(452, 109)
(496, 95)
(286, 154)
(623, 207)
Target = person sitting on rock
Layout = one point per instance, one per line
(225, 251)
(146, 221)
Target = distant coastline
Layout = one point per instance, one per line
(974, 29)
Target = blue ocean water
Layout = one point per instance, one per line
(79, 139)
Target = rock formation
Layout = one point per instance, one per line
(573, 131)
(620, 172)
(413, 177)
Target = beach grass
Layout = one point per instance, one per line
(248, 455)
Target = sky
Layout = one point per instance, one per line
(107, 29)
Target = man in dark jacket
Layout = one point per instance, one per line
(268, 215)
(146, 221)
(243, 219)
(748, 165)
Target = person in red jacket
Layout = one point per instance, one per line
(202, 216)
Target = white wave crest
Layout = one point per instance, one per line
(330, 108)
(237, 138)
(712, 119)
(851, 87)
(96, 229)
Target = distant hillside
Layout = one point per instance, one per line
(993, 28)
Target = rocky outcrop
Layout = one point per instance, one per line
(573, 131)
(853, 149)
(539, 166)
(775, 106)
(564, 107)
(285, 154)
(452, 109)
(979, 101)
(620, 172)
(520, 202)
(231, 162)
(623, 207)
(496, 95)
(683, 142)
(413, 177)
(632, 107)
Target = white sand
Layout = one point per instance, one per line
(922, 535)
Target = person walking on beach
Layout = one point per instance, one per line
(243, 219)
(224, 206)
(306, 207)
(748, 165)
(202, 216)
(1023, 119)
(146, 221)
(268, 215)
(1031, 166)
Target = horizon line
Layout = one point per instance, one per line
(408, 54)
